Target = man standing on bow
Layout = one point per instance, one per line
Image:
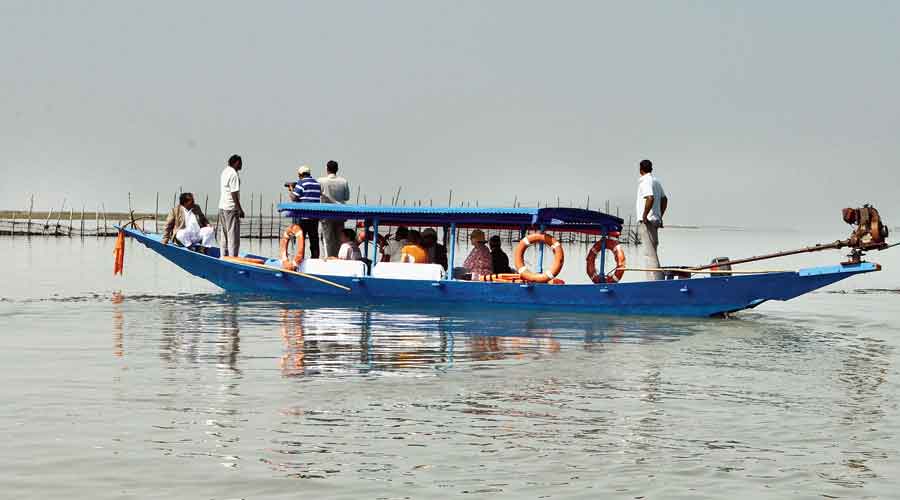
(651, 207)
(230, 210)
(307, 190)
(335, 189)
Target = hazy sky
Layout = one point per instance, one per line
(749, 110)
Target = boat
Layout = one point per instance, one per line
(699, 295)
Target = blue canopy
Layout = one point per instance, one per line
(554, 219)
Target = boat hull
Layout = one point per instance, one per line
(690, 297)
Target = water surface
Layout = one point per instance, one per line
(158, 384)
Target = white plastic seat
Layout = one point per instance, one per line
(405, 271)
(353, 268)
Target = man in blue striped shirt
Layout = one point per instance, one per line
(308, 190)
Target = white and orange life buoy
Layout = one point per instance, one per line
(295, 231)
(559, 258)
(613, 246)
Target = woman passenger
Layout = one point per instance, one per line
(413, 252)
(479, 261)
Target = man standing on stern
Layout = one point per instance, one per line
(230, 210)
(651, 207)
(307, 190)
(334, 190)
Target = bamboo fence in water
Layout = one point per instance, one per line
(261, 222)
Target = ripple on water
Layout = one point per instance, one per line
(249, 391)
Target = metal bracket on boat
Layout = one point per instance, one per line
(279, 275)
(604, 290)
(242, 272)
(357, 280)
(437, 284)
(527, 285)
(684, 289)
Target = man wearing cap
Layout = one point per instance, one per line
(307, 190)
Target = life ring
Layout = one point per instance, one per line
(295, 231)
(559, 258)
(612, 245)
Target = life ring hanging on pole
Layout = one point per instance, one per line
(613, 246)
(294, 231)
(559, 258)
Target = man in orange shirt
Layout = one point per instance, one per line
(413, 252)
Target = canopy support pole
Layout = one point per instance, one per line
(540, 266)
(365, 239)
(375, 244)
(452, 264)
(603, 236)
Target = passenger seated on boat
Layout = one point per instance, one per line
(395, 244)
(499, 259)
(413, 253)
(437, 253)
(188, 224)
(349, 248)
(479, 261)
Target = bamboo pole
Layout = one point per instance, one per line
(47, 222)
(30, 211)
(97, 222)
(206, 206)
(59, 217)
(156, 215)
(81, 230)
(260, 216)
(71, 215)
(271, 220)
(706, 271)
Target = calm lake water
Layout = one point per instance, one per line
(159, 385)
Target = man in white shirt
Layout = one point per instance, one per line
(651, 207)
(335, 189)
(230, 211)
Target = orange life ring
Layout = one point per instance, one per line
(559, 258)
(612, 245)
(295, 231)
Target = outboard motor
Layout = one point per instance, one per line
(870, 233)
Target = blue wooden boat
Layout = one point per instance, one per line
(697, 296)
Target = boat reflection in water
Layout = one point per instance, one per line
(359, 341)
(310, 340)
